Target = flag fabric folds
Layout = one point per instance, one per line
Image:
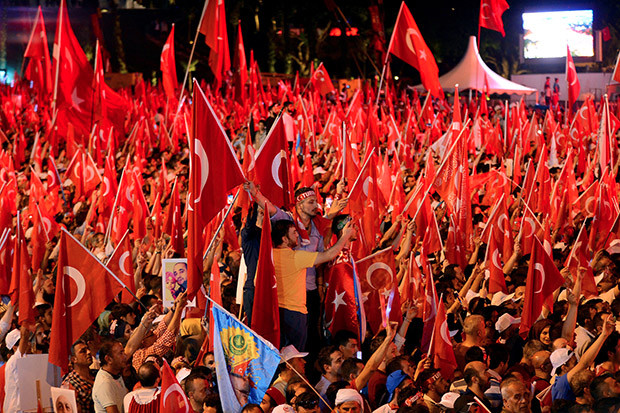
(245, 362)
(491, 15)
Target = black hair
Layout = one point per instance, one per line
(279, 229)
(148, 373)
(105, 350)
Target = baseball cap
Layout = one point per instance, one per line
(12, 338)
(349, 395)
(283, 408)
(560, 356)
(448, 399)
(394, 380)
(276, 395)
(500, 298)
(505, 321)
(290, 352)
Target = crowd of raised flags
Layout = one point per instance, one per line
(515, 197)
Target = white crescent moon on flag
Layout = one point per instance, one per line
(485, 16)
(199, 150)
(445, 336)
(495, 259)
(538, 267)
(106, 185)
(532, 226)
(409, 41)
(76, 276)
(378, 266)
(122, 261)
(47, 225)
(175, 388)
(366, 184)
(90, 173)
(275, 169)
(500, 220)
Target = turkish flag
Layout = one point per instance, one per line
(441, 349)
(110, 185)
(321, 81)
(83, 290)
(430, 304)
(213, 26)
(172, 398)
(75, 78)
(214, 171)
(6, 256)
(271, 167)
(407, 44)
(494, 265)
(579, 257)
(543, 278)
(167, 64)
(139, 208)
(604, 142)
(377, 278)
(265, 311)
(173, 224)
(340, 302)
(616, 75)
(605, 214)
(21, 291)
(571, 78)
(241, 73)
(121, 264)
(491, 14)
(39, 68)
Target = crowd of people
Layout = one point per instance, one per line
(378, 356)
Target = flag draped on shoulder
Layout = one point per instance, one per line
(245, 362)
(407, 44)
(214, 171)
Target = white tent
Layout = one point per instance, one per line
(471, 71)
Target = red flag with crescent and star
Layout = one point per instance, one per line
(214, 171)
(121, 264)
(571, 78)
(377, 280)
(271, 167)
(340, 304)
(83, 289)
(441, 349)
(168, 68)
(407, 44)
(321, 81)
(543, 278)
(265, 312)
(491, 15)
(172, 397)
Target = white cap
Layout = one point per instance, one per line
(290, 352)
(318, 170)
(183, 373)
(505, 321)
(349, 395)
(448, 399)
(560, 356)
(12, 338)
(500, 298)
(283, 408)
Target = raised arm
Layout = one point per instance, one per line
(588, 357)
(258, 196)
(331, 253)
(376, 358)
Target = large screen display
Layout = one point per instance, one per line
(546, 34)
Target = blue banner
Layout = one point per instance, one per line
(244, 362)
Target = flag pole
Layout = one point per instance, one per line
(221, 224)
(57, 49)
(344, 150)
(191, 55)
(572, 251)
(430, 343)
(120, 184)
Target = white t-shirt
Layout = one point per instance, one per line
(11, 384)
(108, 391)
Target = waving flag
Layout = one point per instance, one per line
(491, 15)
(321, 81)
(271, 167)
(265, 312)
(213, 26)
(571, 78)
(172, 398)
(39, 69)
(168, 68)
(83, 289)
(543, 278)
(245, 362)
(407, 44)
(214, 171)
(341, 311)
(441, 349)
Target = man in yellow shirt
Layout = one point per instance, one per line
(290, 269)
